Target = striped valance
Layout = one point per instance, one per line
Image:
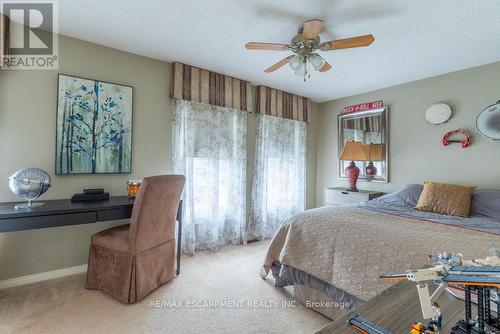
(281, 104)
(369, 124)
(199, 85)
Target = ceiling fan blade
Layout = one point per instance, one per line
(266, 46)
(347, 43)
(312, 28)
(279, 64)
(325, 67)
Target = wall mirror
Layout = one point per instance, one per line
(371, 128)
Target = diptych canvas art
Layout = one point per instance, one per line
(94, 127)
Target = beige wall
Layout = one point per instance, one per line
(27, 138)
(416, 153)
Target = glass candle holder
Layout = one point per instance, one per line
(133, 188)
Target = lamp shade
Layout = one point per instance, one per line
(353, 151)
(373, 152)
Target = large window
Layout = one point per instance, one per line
(211, 199)
(278, 190)
(210, 150)
(284, 191)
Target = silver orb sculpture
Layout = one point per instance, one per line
(29, 184)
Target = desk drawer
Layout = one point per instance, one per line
(29, 223)
(114, 213)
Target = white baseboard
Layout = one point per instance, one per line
(12, 282)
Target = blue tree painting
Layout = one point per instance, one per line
(94, 127)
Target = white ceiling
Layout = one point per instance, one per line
(413, 39)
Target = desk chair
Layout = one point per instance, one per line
(130, 261)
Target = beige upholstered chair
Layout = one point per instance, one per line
(130, 261)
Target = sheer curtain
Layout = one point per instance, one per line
(278, 190)
(210, 149)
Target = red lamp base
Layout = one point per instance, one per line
(352, 173)
(371, 170)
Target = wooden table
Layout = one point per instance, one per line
(63, 212)
(396, 308)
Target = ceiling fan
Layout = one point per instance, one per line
(304, 46)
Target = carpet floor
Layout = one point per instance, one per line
(216, 292)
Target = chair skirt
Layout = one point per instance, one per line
(128, 277)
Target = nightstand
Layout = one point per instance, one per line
(338, 196)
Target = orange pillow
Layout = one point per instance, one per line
(445, 199)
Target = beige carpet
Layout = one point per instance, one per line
(188, 304)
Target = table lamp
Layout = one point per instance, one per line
(353, 150)
(373, 153)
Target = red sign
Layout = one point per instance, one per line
(363, 106)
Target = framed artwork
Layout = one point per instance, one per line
(94, 126)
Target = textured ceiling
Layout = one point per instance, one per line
(413, 39)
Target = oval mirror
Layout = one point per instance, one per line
(488, 122)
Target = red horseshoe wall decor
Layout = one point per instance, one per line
(465, 141)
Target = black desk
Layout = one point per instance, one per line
(63, 212)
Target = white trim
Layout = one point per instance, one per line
(12, 282)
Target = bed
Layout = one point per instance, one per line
(333, 256)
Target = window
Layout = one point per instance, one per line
(279, 174)
(210, 150)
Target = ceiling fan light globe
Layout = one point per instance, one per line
(295, 62)
(294, 66)
(317, 61)
(302, 70)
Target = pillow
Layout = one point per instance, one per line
(445, 199)
(486, 203)
(406, 196)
